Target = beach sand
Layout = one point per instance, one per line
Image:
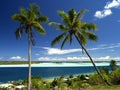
(58, 65)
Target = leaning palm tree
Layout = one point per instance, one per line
(73, 26)
(29, 19)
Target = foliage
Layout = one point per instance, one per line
(104, 87)
(16, 62)
(3, 88)
(94, 79)
(29, 19)
(115, 76)
(113, 64)
(77, 82)
(73, 26)
(71, 76)
(104, 70)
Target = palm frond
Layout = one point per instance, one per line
(58, 39)
(42, 19)
(76, 25)
(18, 33)
(89, 26)
(53, 24)
(80, 14)
(63, 27)
(38, 28)
(23, 11)
(72, 15)
(59, 26)
(65, 40)
(82, 38)
(91, 36)
(65, 17)
(19, 18)
(34, 8)
(31, 15)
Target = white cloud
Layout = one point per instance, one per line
(51, 51)
(113, 4)
(105, 58)
(51, 59)
(107, 9)
(106, 46)
(17, 58)
(56, 51)
(102, 14)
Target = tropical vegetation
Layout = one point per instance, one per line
(75, 82)
(74, 26)
(29, 19)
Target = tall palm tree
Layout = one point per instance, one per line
(74, 26)
(29, 19)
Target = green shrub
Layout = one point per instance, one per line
(115, 76)
(104, 70)
(95, 79)
(3, 88)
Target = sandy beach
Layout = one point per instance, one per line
(58, 65)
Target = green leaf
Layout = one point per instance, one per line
(82, 38)
(65, 17)
(42, 19)
(65, 40)
(89, 26)
(80, 14)
(53, 24)
(31, 15)
(18, 33)
(58, 39)
(34, 8)
(92, 37)
(72, 15)
(19, 18)
(38, 28)
(23, 11)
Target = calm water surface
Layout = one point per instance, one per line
(18, 73)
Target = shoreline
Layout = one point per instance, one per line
(58, 65)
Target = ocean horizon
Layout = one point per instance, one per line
(46, 70)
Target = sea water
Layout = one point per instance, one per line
(46, 70)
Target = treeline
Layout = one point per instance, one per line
(16, 62)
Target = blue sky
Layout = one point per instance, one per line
(104, 13)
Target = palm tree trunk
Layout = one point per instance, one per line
(29, 60)
(92, 61)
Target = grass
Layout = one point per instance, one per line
(103, 87)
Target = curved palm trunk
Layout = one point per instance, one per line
(29, 61)
(92, 61)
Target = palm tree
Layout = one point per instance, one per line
(29, 19)
(113, 65)
(74, 26)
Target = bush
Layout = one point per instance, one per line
(3, 88)
(115, 76)
(95, 79)
(104, 70)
